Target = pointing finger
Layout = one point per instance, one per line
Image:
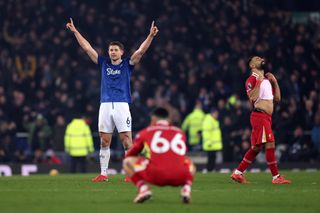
(152, 25)
(71, 20)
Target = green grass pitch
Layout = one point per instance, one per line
(213, 192)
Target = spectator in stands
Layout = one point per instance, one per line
(39, 136)
(58, 133)
(315, 134)
(300, 146)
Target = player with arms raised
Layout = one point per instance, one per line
(165, 163)
(115, 92)
(263, 91)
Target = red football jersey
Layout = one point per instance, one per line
(252, 82)
(165, 145)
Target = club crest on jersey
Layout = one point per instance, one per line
(110, 71)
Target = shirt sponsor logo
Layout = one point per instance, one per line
(110, 71)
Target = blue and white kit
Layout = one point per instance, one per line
(115, 95)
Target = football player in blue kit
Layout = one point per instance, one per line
(115, 92)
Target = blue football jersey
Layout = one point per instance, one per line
(115, 80)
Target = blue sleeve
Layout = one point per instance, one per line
(102, 59)
(129, 65)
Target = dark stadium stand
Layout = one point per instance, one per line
(200, 53)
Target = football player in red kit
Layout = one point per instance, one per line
(263, 91)
(164, 162)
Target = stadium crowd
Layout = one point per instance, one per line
(201, 54)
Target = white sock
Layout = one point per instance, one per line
(237, 172)
(143, 188)
(187, 188)
(275, 177)
(104, 159)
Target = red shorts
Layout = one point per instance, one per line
(261, 128)
(163, 176)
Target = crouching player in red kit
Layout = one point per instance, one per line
(165, 163)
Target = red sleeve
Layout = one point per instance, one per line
(250, 84)
(137, 145)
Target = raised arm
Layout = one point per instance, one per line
(136, 56)
(275, 86)
(85, 45)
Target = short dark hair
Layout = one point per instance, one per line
(160, 112)
(249, 60)
(116, 43)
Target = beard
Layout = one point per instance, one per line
(262, 65)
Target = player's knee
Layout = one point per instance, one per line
(105, 141)
(126, 141)
(127, 145)
(127, 163)
(256, 148)
(271, 145)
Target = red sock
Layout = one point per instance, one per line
(271, 161)
(189, 179)
(247, 160)
(137, 180)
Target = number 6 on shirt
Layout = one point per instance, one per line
(161, 145)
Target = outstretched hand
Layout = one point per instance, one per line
(153, 29)
(70, 26)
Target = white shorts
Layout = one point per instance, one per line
(114, 114)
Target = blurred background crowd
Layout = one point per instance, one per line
(199, 55)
